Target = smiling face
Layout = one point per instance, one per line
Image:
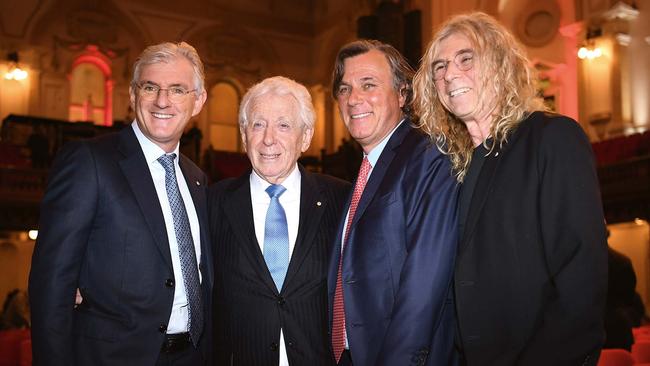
(160, 120)
(461, 91)
(369, 104)
(274, 137)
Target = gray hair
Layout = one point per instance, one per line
(279, 85)
(166, 52)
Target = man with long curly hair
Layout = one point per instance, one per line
(531, 271)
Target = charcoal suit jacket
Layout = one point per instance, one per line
(399, 258)
(102, 230)
(248, 309)
(531, 273)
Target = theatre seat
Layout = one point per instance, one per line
(641, 351)
(25, 355)
(615, 357)
(10, 341)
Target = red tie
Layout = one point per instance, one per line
(338, 311)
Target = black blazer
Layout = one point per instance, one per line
(102, 231)
(531, 272)
(249, 311)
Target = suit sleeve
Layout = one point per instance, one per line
(220, 346)
(575, 249)
(425, 280)
(67, 213)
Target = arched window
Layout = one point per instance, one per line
(222, 114)
(91, 89)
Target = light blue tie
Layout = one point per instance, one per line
(276, 237)
(185, 248)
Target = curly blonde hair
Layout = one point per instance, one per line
(504, 68)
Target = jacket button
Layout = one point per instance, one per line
(162, 328)
(274, 346)
(169, 282)
(290, 344)
(280, 300)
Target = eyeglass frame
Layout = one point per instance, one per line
(153, 95)
(457, 61)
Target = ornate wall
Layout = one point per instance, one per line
(242, 42)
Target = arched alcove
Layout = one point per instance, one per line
(91, 89)
(223, 105)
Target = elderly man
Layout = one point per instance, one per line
(391, 268)
(531, 273)
(124, 220)
(272, 230)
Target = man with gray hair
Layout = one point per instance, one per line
(272, 231)
(124, 221)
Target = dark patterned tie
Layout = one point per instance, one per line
(276, 237)
(185, 248)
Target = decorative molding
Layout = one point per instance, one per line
(621, 11)
(91, 27)
(164, 27)
(623, 39)
(9, 12)
(538, 23)
(571, 30)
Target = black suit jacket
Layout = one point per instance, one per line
(249, 311)
(102, 230)
(531, 272)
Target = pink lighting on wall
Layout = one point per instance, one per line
(567, 76)
(95, 57)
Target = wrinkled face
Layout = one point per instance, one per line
(459, 87)
(161, 120)
(275, 137)
(369, 104)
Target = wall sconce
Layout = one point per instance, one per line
(590, 51)
(15, 72)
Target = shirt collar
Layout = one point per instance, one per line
(151, 151)
(374, 154)
(291, 183)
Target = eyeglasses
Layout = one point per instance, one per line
(175, 94)
(463, 61)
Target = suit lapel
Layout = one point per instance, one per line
(238, 209)
(199, 198)
(379, 171)
(312, 206)
(479, 196)
(135, 169)
(484, 185)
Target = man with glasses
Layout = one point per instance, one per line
(124, 221)
(530, 277)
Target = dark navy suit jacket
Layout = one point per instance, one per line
(399, 258)
(102, 230)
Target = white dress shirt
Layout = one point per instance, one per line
(290, 201)
(179, 319)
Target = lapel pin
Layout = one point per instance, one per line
(198, 183)
(318, 203)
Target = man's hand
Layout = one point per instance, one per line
(78, 299)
